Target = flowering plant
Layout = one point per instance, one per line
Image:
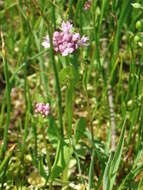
(87, 5)
(43, 109)
(65, 41)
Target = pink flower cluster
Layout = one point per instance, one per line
(43, 109)
(87, 5)
(65, 41)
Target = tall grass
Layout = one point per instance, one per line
(92, 138)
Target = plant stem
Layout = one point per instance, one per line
(57, 82)
(4, 146)
(25, 133)
(78, 163)
(91, 169)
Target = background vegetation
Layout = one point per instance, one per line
(95, 95)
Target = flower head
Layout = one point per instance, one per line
(43, 109)
(76, 37)
(46, 42)
(84, 41)
(87, 5)
(65, 41)
(66, 26)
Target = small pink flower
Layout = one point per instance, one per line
(84, 41)
(56, 34)
(65, 52)
(46, 42)
(38, 107)
(66, 41)
(67, 37)
(42, 109)
(66, 26)
(87, 5)
(76, 37)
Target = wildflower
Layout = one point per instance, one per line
(76, 37)
(46, 42)
(65, 41)
(83, 41)
(43, 109)
(87, 5)
(66, 27)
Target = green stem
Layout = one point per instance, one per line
(70, 8)
(34, 133)
(103, 6)
(4, 146)
(78, 163)
(2, 116)
(59, 146)
(124, 11)
(25, 134)
(53, 15)
(77, 11)
(57, 82)
(96, 38)
(91, 169)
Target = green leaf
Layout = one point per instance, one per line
(2, 115)
(107, 172)
(69, 100)
(85, 79)
(113, 164)
(80, 129)
(136, 5)
(118, 153)
(7, 158)
(62, 159)
(43, 173)
(130, 176)
(68, 74)
(53, 131)
(140, 183)
(133, 172)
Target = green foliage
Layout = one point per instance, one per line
(6, 159)
(63, 156)
(112, 165)
(79, 129)
(71, 147)
(53, 131)
(137, 5)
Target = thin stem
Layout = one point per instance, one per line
(34, 133)
(57, 82)
(91, 169)
(120, 23)
(78, 164)
(96, 38)
(25, 133)
(2, 116)
(70, 8)
(4, 146)
(53, 15)
(59, 146)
